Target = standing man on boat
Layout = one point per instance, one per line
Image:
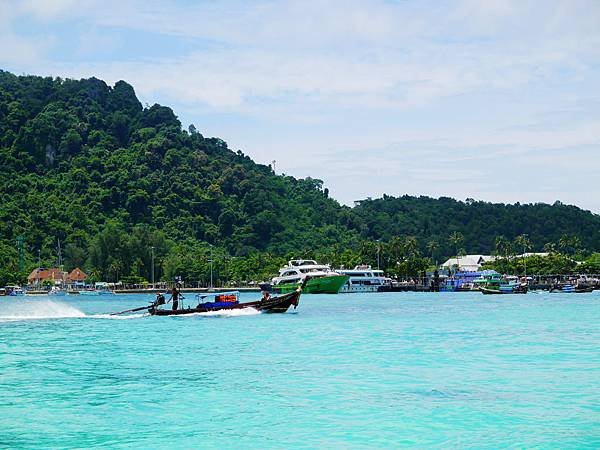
(175, 294)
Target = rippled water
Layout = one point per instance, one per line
(346, 371)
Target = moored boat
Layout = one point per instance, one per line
(493, 283)
(568, 288)
(505, 289)
(14, 291)
(320, 279)
(364, 279)
(57, 291)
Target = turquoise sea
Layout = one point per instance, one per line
(439, 370)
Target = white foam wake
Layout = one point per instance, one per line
(224, 313)
(48, 309)
(116, 317)
(37, 310)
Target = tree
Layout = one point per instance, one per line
(569, 244)
(432, 247)
(522, 241)
(456, 238)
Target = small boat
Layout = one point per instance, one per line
(56, 291)
(230, 301)
(505, 289)
(491, 283)
(568, 288)
(14, 291)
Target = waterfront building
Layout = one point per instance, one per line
(38, 276)
(467, 263)
(56, 276)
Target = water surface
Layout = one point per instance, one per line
(347, 371)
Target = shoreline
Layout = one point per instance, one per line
(156, 291)
(208, 290)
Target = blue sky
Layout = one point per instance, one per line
(496, 100)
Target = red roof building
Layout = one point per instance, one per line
(76, 275)
(39, 275)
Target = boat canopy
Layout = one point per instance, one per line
(220, 294)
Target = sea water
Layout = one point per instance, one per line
(389, 370)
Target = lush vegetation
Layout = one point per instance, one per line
(122, 185)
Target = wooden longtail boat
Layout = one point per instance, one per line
(278, 304)
(505, 289)
(223, 301)
(571, 289)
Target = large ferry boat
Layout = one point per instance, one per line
(321, 279)
(364, 279)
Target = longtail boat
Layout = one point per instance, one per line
(505, 289)
(222, 301)
(568, 288)
(230, 301)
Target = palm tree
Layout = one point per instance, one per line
(411, 247)
(550, 247)
(503, 247)
(456, 239)
(524, 242)
(432, 246)
(569, 244)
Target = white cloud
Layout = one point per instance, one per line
(49, 9)
(425, 95)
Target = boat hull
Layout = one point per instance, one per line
(279, 304)
(572, 290)
(322, 285)
(487, 291)
(352, 289)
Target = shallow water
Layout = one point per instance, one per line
(346, 371)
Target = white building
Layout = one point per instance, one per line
(467, 263)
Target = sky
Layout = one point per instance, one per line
(494, 100)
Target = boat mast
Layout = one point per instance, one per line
(59, 253)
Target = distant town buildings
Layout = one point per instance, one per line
(467, 263)
(472, 263)
(56, 276)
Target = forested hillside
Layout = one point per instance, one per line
(481, 223)
(86, 164)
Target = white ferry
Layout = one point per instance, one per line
(321, 279)
(365, 279)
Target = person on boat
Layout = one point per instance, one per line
(160, 299)
(266, 295)
(175, 294)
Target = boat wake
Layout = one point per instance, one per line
(37, 310)
(224, 313)
(48, 309)
(115, 317)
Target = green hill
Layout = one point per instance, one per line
(87, 164)
(481, 223)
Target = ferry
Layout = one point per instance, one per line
(321, 279)
(364, 279)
